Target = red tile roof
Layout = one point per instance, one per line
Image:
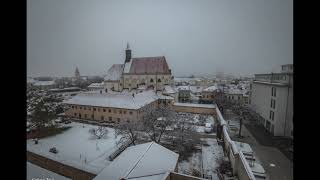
(149, 65)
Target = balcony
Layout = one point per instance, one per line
(272, 78)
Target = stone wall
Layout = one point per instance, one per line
(197, 110)
(59, 168)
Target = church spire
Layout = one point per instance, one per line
(128, 54)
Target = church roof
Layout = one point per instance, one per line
(114, 73)
(147, 65)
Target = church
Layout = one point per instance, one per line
(138, 73)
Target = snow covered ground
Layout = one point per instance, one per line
(77, 148)
(205, 160)
(193, 162)
(210, 155)
(34, 172)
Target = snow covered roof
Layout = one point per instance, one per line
(196, 89)
(168, 90)
(235, 91)
(211, 88)
(126, 101)
(34, 172)
(96, 85)
(179, 88)
(114, 73)
(195, 105)
(43, 83)
(144, 161)
(147, 65)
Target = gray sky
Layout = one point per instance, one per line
(196, 36)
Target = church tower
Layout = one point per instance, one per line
(77, 73)
(128, 54)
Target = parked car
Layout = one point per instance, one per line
(67, 122)
(208, 128)
(58, 120)
(53, 150)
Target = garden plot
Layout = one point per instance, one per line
(77, 147)
(211, 153)
(192, 165)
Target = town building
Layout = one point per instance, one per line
(96, 87)
(144, 161)
(113, 107)
(208, 94)
(152, 72)
(237, 96)
(184, 93)
(272, 99)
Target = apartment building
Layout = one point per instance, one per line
(272, 98)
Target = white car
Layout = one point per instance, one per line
(59, 120)
(208, 128)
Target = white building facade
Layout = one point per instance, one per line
(272, 99)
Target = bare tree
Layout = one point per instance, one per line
(182, 136)
(157, 120)
(128, 131)
(99, 132)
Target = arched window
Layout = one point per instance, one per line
(151, 80)
(159, 80)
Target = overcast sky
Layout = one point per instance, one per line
(242, 37)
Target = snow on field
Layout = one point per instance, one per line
(34, 172)
(193, 162)
(77, 148)
(210, 155)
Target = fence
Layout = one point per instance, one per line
(239, 165)
(59, 168)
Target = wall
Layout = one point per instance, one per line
(197, 110)
(114, 114)
(134, 80)
(178, 176)
(59, 168)
(239, 165)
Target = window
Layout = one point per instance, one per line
(80, 107)
(92, 116)
(159, 80)
(109, 110)
(128, 121)
(94, 109)
(273, 103)
(110, 118)
(79, 115)
(102, 118)
(271, 116)
(104, 110)
(212, 96)
(98, 109)
(89, 108)
(114, 111)
(118, 119)
(84, 108)
(130, 112)
(120, 111)
(124, 112)
(273, 91)
(85, 115)
(75, 114)
(151, 80)
(72, 107)
(76, 107)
